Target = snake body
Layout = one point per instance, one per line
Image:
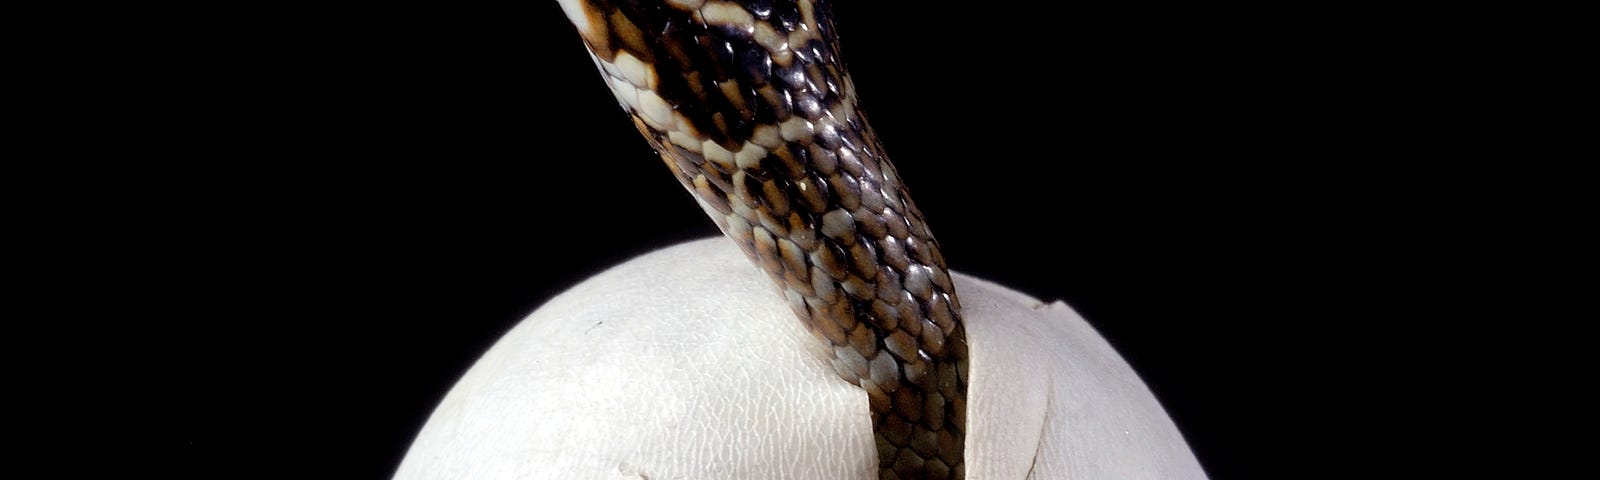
(749, 106)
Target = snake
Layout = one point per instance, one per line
(749, 105)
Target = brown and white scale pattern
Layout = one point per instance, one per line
(748, 105)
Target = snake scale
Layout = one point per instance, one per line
(748, 104)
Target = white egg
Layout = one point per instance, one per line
(685, 364)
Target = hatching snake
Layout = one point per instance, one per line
(748, 104)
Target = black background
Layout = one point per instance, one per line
(356, 201)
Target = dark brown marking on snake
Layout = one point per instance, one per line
(901, 345)
(925, 442)
(823, 160)
(872, 200)
(800, 285)
(897, 430)
(932, 341)
(776, 101)
(850, 163)
(772, 224)
(813, 192)
(908, 403)
(830, 258)
(830, 329)
(871, 224)
(864, 260)
(846, 189)
(785, 163)
(889, 287)
(941, 313)
(886, 315)
(703, 189)
(899, 227)
(910, 315)
(862, 338)
(801, 231)
(857, 287)
(775, 196)
(631, 38)
(908, 465)
(794, 260)
(877, 400)
(744, 185)
(916, 369)
(826, 290)
(933, 408)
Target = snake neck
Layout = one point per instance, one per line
(749, 106)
